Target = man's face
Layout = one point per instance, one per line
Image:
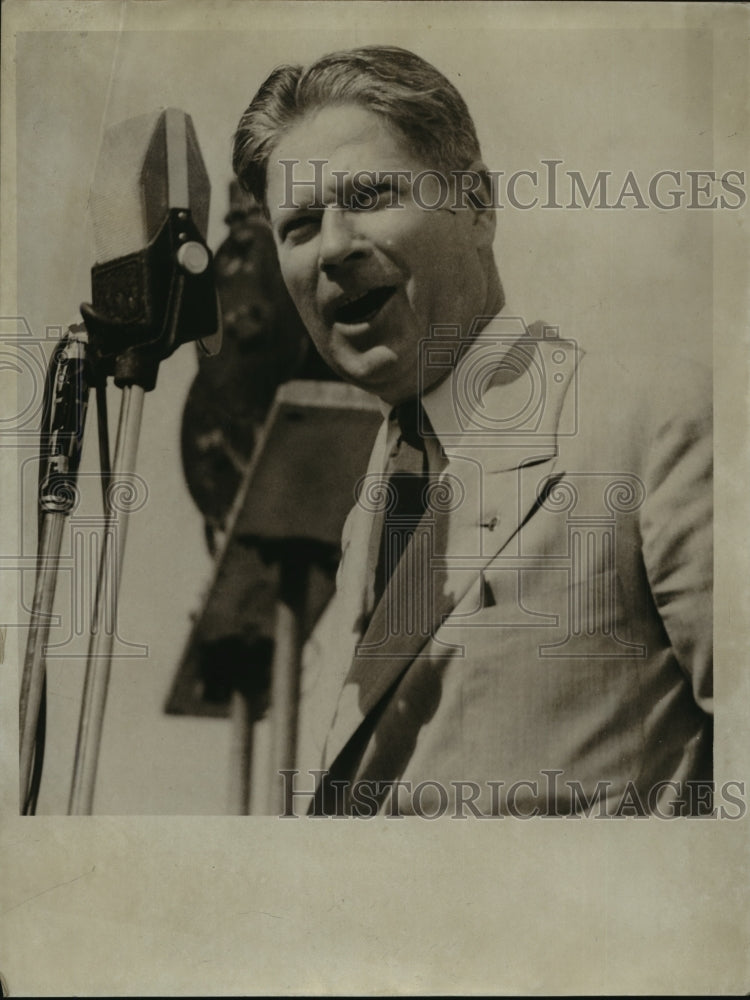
(369, 282)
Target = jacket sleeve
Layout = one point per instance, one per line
(676, 523)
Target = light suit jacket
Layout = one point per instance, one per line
(550, 626)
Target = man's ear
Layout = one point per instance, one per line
(478, 197)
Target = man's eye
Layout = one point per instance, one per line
(300, 227)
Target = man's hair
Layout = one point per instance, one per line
(409, 93)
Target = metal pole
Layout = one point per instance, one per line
(240, 754)
(104, 617)
(32, 682)
(285, 676)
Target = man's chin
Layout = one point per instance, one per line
(376, 370)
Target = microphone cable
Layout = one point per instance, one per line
(70, 373)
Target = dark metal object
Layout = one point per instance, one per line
(146, 304)
(264, 345)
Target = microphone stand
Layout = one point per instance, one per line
(180, 305)
(104, 616)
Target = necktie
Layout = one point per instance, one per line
(408, 478)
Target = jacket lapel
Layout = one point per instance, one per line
(489, 490)
(443, 560)
(351, 580)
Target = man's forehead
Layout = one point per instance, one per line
(345, 136)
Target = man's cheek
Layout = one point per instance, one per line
(301, 291)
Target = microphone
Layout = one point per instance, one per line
(153, 281)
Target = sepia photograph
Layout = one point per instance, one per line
(374, 441)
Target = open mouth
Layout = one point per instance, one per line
(365, 308)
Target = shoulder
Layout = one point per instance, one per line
(655, 380)
(628, 408)
(644, 390)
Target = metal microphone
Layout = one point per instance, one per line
(152, 290)
(152, 283)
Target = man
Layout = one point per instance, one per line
(522, 623)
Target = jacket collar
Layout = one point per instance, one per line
(501, 400)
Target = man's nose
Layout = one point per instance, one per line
(340, 239)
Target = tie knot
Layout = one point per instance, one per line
(412, 422)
